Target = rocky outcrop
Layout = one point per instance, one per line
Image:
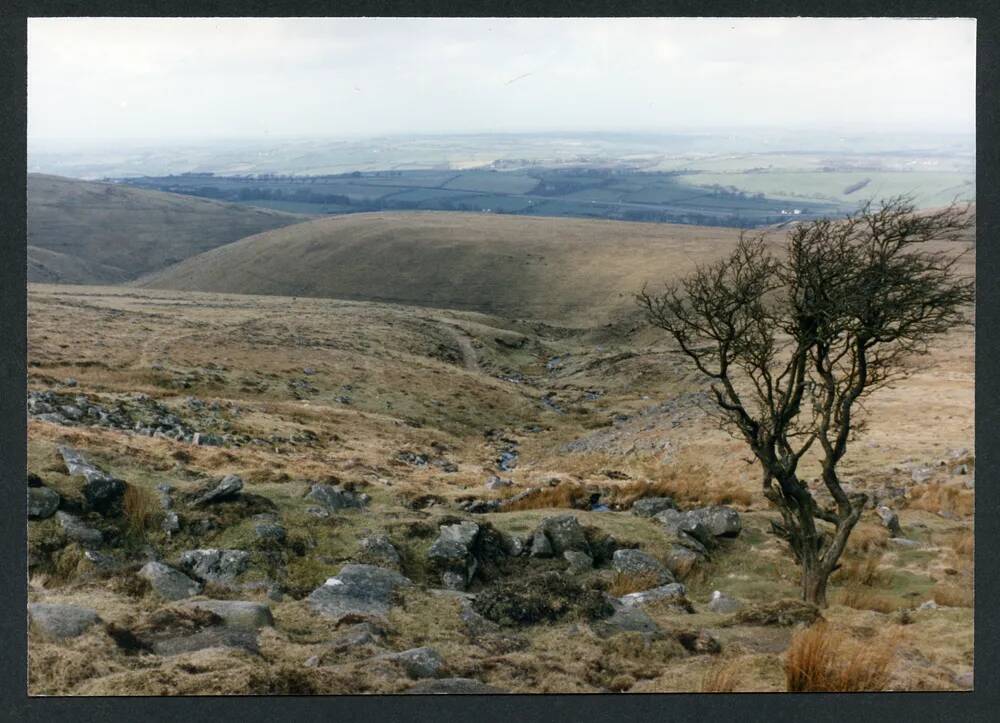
(639, 563)
(228, 488)
(237, 613)
(169, 583)
(333, 498)
(215, 565)
(358, 590)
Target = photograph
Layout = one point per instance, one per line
(371, 356)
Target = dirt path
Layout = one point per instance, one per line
(469, 358)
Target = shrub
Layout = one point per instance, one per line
(821, 659)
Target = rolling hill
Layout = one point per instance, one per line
(87, 233)
(566, 270)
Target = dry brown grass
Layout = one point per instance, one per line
(862, 571)
(964, 544)
(864, 598)
(822, 659)
(565, 494)
(943, 497)
(867, 537)
(952, 596)
(627, 583)
(140, 508)
(722, 678)
(684, 490)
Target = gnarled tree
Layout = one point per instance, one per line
(793, 343)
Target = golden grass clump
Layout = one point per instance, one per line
(864, 598)
(952, 596)
(862, 571)
(822, 659)
(867, 537)
(627, 583)
(140, 508)
(565, 494)
(721, 678)
(939, 497)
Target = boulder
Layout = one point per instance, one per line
(626, 619)
(464, 533)
(564, 533)
(103, 493)
(42, 502)
(722, 603)
(61, 621)
(336, 499)
(496, 483)
(680, 559)
(687, 528)
(378, 550)
(637, 562)
(540, 545)
(229, 488)
(77, 531)
(418, 662)
(213, 637)
(651, 506)
(674, 594)
(363, 590)
(720, 521)
(169, 583)
(171, 522)
(890, 519)
(579, 562)
(215, 565)
(237, 613)
(356, 636)
(445, 686)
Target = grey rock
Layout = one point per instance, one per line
(270, 531)
(626, 619)
(720, 521)
(921, 474)
(496, 483)
(103, 493)
(317, 512)
(680, 559)
(77, 531)
(333, 498)
(928, 605)
(540, 545)
(171, 522)
(418, 662)
(579, 562)
(237, 613)
(229, 487)
(379, 550)
(961, 469)
(454, 561)
(637, 562)
(903, 542)
(356, 636)
(42, 502)
(890, 519)
(70, 382)
(650, 506)
(358, 590)
(452, 686)
(464, 533)
(565, 533)
(61, 621)
(215, 565)
(674, 593)
(169, 583)
(214, 637)
(722, 603)
(71, 412)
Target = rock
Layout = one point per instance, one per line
(626, 619)
(464, 533)
(228, 488)
(637, 562)
(651, 506)
(579, 562)
(970, 484)
(333, 498)
(674, 594)
(496, 483)
(564, 533)
(237, 613)
(70, 382)
(689, 530)
(540, 545)
(215, 565)
(270, 531)
(445, 686)
(418, 662)
(169, 583)
(681, 559)
(928, 605)
(378, 550)
(42, 502)
(71, 412)
(317, 512)
(214, 637)
(358, 590)
(720, 521)
(61, 621)
(453, 561)
(515, 546)
(356, 636)
(961, 469)
(921, 474)
(903, 542)
(890, 519)
(722, 603)
(171, 522)
(104, 493)
(77, 531)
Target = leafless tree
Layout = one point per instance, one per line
(793, 343)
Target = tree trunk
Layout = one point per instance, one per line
(814, 580)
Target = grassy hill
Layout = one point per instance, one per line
(569, 270)
(85, 232)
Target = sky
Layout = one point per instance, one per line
(107, 79)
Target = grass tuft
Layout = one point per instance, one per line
(821, 659)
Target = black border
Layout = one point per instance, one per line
(972, 706)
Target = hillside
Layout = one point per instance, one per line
(105, 233)
(541, 268)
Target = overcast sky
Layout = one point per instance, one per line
(105, 79)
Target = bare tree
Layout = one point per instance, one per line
(793, 344)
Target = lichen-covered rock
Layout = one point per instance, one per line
(674, 594)
(564, 533)
(626, 619)
(379, 550)
(229, 488)
(42, 502)
(215, 565)
(637, 562)
(650, 506)
(237, 613)
(169, 583)
(579, 562)
(77, 531)
(418, 662)
(336, 499)
(358, 590)
(890, 519)
(540, 545)
(545, 597)
(722, 603)
(61, 621)
(720, 521)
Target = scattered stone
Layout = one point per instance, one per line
(962, 469)
(378, 550)
(890, 519)
(356, 636)
(317, 512)
(42, 502)
(358, 590)
(171, 522)
(674, 594)
(77, 531)
(70, 382)
(418, 662)
(722, 603)
(637, 562)
(651, 506)
(268, 528)
(228, 488)
(215, 565)
(336, 499)
(459, 686)
(238, 613)
(626, 619)
(214, 637)
(921, 474)
(928, 605)
(496, 483)
(61, 621)
(579, 562)
(169, 583)
(903, 542)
